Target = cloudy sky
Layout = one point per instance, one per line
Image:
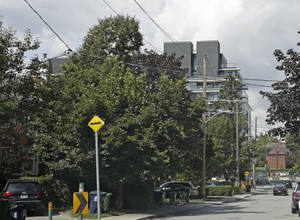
(248, 30)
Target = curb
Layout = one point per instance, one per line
(210, 203)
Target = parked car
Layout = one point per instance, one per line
(280, 189)
(192, 188)
(210, 184)
(288, 184)
(283, 173)
(171, 187)
(27, 192)
(213, 184)
(296, 198)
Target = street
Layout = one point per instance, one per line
(261, 206)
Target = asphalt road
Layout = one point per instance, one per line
(261, 206)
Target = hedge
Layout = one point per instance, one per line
(222, 190)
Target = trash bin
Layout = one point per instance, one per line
(5, 206)
(158, 197)
(248, 188)
(184, 195)
(18, 212)
(104, 201)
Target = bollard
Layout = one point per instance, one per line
(81, 189)
(50, 211)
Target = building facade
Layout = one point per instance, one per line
(217, 68)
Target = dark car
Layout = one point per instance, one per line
(280, 189)
(296, 198)
(27, 192)
(193, 189)
(288, 184)
(171, 187)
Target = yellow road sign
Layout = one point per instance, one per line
(80, 203)
(96, 123)
(246, 173)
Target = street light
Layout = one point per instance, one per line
(203, 176)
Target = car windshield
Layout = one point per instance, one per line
(280, 185)
(17, 187)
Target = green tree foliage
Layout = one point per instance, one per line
(284, 101)
(222, 129)
(292, 143)
(155, 65)
(116, 36)
(147, 134)
(17, 85)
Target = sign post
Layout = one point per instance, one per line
(96, 123)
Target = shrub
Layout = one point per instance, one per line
(55, 190)
(222, 190)
(138, 196)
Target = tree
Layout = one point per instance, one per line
(284, 102)
(223, 128)
(17, 103)
(116, 36)
(154, 65)
(147, 134)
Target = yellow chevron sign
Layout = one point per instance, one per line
(80, 203)
(246, 173)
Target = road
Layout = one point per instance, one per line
(263, 205)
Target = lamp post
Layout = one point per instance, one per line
(237, 137)
(203, 176)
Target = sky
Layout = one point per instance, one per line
(248, 31)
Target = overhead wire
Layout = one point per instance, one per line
(48, 25)
(143, 36)
(160, 28)
(67, 52)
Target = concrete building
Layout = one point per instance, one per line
(217, 68)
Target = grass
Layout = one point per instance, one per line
(95, 216)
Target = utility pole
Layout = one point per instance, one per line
(238, 179)
(254, 159)
(203, 174)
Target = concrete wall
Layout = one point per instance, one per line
(212, 51)
(184, 49)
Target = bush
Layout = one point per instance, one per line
(222, 190)
(55, 191)
(138, 196)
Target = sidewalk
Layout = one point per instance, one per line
(164, 211)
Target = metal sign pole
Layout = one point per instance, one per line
(97, 176)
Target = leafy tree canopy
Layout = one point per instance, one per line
(17, 102)
(116, 36)
(284, 102)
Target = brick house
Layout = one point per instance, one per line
(277, 157)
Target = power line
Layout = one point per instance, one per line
(49, 26)
(110, 7)
(118, 15)
(249, 84)
(165, 32)
(264, 80)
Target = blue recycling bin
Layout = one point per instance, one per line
(93, 201)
